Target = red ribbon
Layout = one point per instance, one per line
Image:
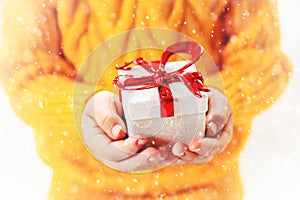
(158, 77)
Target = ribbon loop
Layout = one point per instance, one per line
(158, 77)
(188, 47)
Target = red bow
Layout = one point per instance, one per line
(158, 77)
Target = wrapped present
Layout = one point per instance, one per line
(164, 101)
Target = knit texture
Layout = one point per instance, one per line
(45, 43)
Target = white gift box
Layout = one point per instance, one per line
(142, 110)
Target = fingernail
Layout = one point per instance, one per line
(212, 129)
(179, 154)
(116, 130)
(195, 145)
(194, 148)
(130, 141)
(141, 141)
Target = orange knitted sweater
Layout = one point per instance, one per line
(46, 41)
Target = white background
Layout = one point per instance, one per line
(270, 162)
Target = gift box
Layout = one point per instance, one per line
(165, 102)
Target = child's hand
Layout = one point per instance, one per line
(104, 132)
(218, 133)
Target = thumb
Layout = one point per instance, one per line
(106, 109)
(113, 126)
(218, 113)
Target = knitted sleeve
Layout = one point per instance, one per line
(33, 70)
(37, 77)
(45, 42)
(255, 70)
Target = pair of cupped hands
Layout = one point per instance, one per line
(104, 133)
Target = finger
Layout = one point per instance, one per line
(123, 149)
(181, 150)
(203, 147)
(195, 159)
(195, 145)
(218, 113)
(149, 159)
(211, 146)
(206, 147)
(105, 108)
(96, 140)
(224, 139)
(105, 149)
(198, 145)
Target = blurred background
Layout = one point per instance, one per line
(269, 162)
